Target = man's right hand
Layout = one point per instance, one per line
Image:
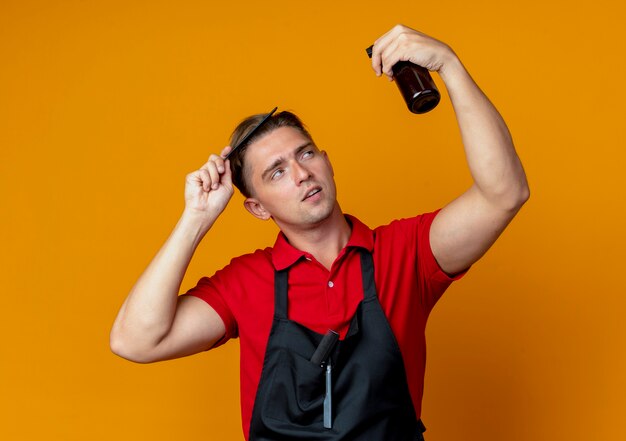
(154, 323)
(209, 189)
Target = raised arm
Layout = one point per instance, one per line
(154, 323)
(465, 228)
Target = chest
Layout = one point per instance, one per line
(320, 299)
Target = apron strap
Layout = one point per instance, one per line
(281, 280)
(367, 274)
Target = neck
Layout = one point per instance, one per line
(323, 240)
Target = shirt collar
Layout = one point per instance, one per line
(284, 254)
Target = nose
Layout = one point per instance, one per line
(300, 173)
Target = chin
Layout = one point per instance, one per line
(321, 214)
(309, 216)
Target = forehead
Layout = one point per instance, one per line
(280, 142)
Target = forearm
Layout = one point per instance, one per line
(148, 312)
(494, 165)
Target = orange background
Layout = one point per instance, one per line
(106, 106)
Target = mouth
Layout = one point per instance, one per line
(312, 192)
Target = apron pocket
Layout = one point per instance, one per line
(296, 390)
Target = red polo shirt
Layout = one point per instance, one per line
(408, 280)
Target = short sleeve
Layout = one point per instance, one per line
(434, 280)
(208, 289)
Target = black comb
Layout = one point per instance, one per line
(251, 132)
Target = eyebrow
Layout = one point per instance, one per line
(281, 159)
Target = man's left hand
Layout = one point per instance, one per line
(402, 43)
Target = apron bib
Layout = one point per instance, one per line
(359, 393)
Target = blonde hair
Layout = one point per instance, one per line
(237, 166)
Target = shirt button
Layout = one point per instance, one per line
(330, 284)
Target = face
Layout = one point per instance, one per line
(290, 179)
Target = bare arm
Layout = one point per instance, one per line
(154, 323)
(467, 227)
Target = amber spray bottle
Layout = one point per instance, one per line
(416, 85)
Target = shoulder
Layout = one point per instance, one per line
(254, 258)
(411, 228)
(243, 267)
(400, 234)
(232, 284)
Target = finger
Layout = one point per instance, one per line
(227, 177)
(205, 179)
(214, 174)
(197, 180)
(389, 39)
(193, 177)
(389, 58)
(377, 50)
(218, 161)
(376, 60)
(225, 151)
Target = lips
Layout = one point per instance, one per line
(312, 192)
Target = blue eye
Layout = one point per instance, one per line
(277, 174)
(307, 154)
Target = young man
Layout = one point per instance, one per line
(326, 271)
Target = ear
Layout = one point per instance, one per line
(256, 209)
